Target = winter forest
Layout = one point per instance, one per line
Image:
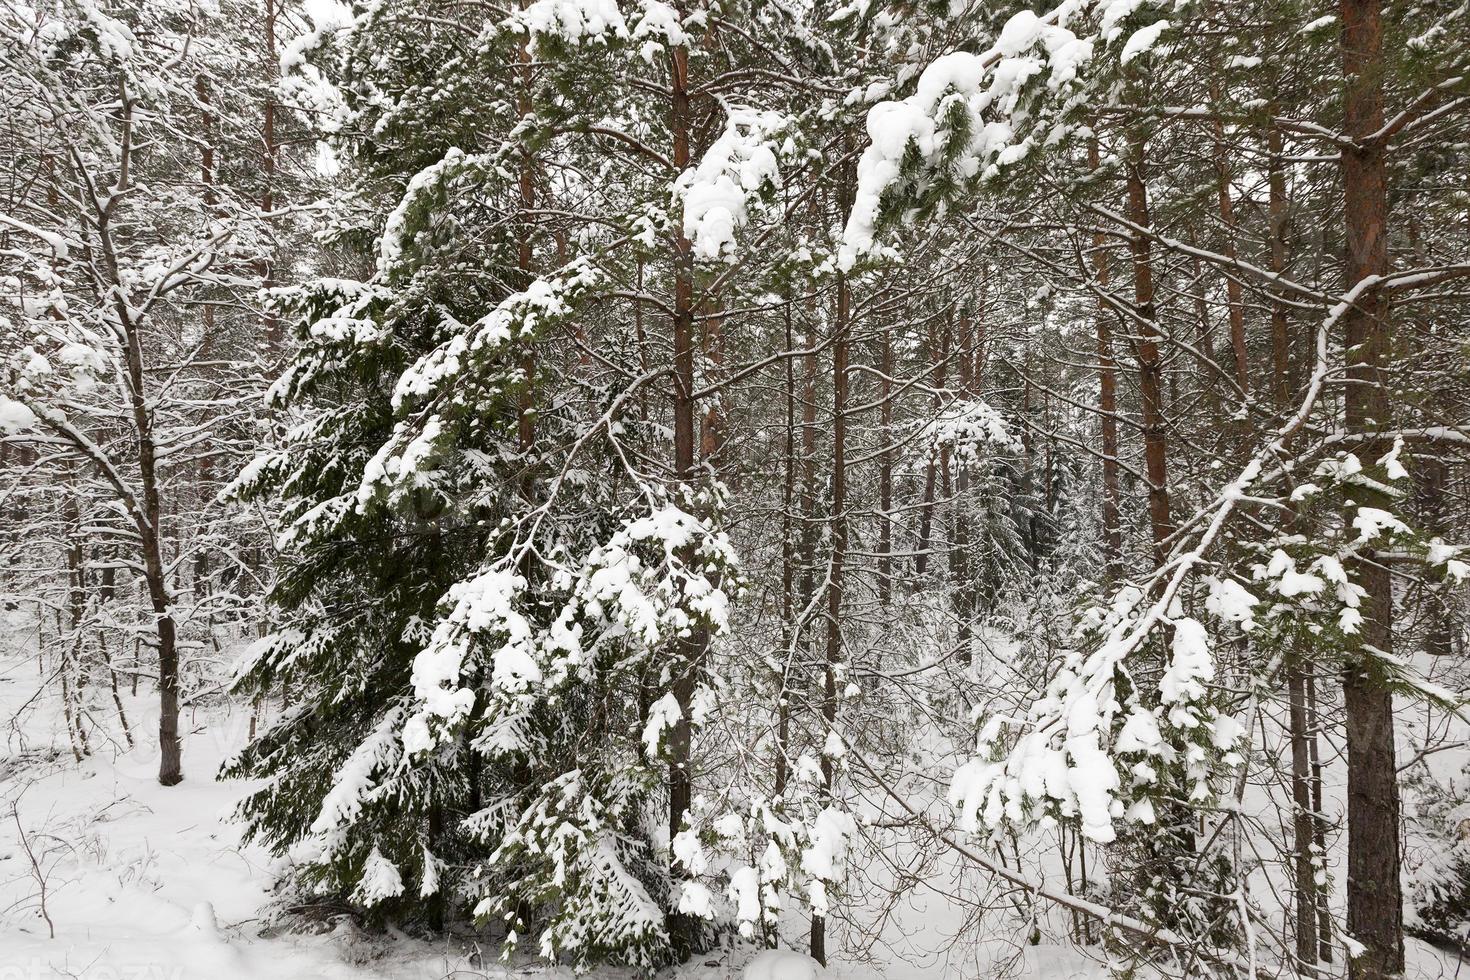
(767, 489)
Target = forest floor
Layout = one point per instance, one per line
(143, 882)
(105, 875)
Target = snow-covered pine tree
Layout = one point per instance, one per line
(484, 570)
(404, 115)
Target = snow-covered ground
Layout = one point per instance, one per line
(106, 875)
(142, 881)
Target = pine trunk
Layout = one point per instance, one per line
(1107, 404)
(1375, 899)
(1150, 361)
(835, 582)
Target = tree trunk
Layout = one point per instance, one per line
(147, 514)
(960, 567)
(270, 322)
(170, 761)
(691, 649)
(835, 583)
(1375, 900)
(939, 352)
(1107, 403)
(526, 422)
(788, 574)
(1233, 301)
(926, 519)
(1305, 816)
(885, 466)
(1319, 823)
(72, 647)
(1280, 324)
(1302, 820)
(808, 537)
(1150, 363)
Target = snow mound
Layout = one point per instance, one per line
(783, 964)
